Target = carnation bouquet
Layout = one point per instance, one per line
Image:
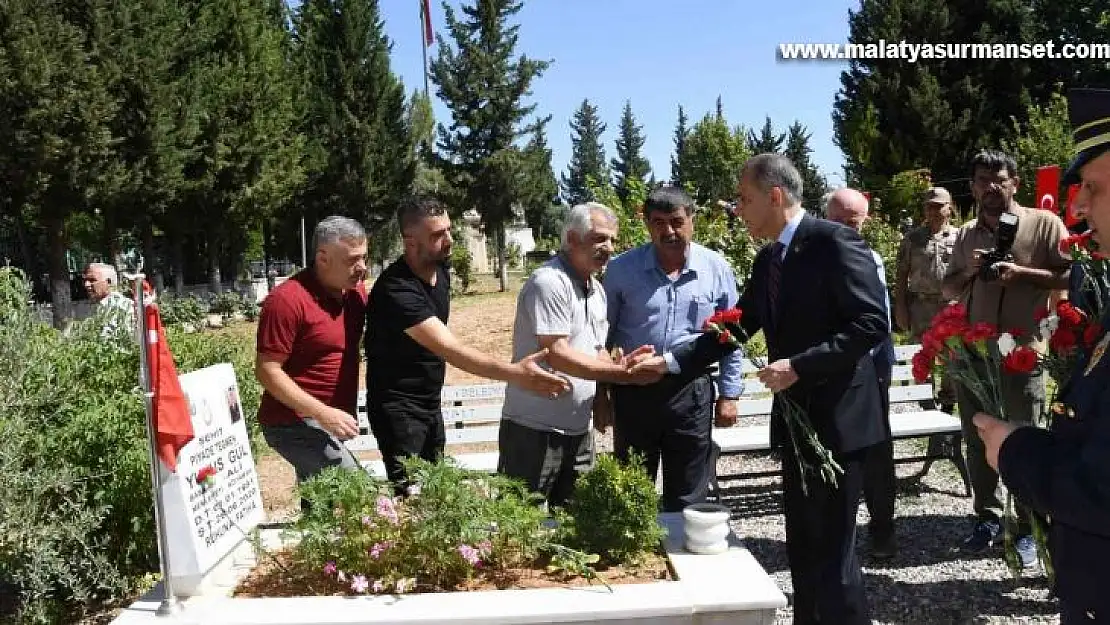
(812, 456)
(1084, 254)
(984, 360)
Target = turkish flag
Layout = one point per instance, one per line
(426, 10)
(1048, 188)
(1070, 218)
(173, 427)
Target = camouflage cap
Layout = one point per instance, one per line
(937, 195)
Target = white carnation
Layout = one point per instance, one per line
(1049, 325)
(1006, 344)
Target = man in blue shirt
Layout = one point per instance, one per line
(661, 294)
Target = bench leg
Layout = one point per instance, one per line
(935, 449)
(956, 454)
(714, 493)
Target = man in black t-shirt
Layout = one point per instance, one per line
(408, 344)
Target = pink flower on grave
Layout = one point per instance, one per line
(485, 547)
(368, 520)
(359, 584)
(470, 554)
(386, 509)
(330, 569)
(379, 548)
(378, 586)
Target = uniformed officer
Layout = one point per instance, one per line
(922, 262)
(1064, 472)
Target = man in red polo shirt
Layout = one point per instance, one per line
(308, 361)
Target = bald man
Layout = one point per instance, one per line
(850, 208)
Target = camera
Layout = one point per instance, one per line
(1003, 243)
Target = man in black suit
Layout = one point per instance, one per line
(815, 293)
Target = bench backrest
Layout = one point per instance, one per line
(472, 412)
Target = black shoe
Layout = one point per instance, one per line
(884, 547)
(983, 537)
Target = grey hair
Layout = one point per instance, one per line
(579, 220)
(775, 170)
(336, 228)
(107, 272)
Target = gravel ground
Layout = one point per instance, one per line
(927, 582)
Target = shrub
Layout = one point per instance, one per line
(459, 523)
(182, 310)
(225, 304)
(461, 265)
(614, 511)
(78, 526)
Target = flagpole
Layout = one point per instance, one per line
(425, 19)
(170, 604)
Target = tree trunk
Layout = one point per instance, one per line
(111, 241)
(502, 264)
(150, 266)
(215, 285)
(29, 261)
(59, 272)
(266, 250)
(178, 263)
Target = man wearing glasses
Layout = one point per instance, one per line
(1004, 266)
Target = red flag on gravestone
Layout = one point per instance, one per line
(173, 426)
(426, 11)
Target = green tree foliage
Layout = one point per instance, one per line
(766, 141)
(629, 167)
(714, 155)
(1045, 139)
(483, 83)
(587, 156)
(798, 151)
(631, 230)
(678, 159)
(355, 113)
(540, 193)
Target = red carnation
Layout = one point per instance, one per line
(1091, 334)
(1063, 340)
(980, 331)
(922, 364)
(1021, 360)
(1040, 314)
(1099, 256)
(1070, 316)
(725, 336)
(205, 474)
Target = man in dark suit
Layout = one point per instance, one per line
(815, 293)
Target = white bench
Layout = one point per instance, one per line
(471, 414)
(943, 429)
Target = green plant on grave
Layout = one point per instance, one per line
(225, 304)
(178, 311)
(614, 512)
(357, 538)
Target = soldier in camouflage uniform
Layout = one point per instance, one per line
(922, 262)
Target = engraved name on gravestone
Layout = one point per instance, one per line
(205, 522)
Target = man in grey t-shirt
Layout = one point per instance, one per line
(545, 441)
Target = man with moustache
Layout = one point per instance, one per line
(816, 295)
(408, 345)
(1064, 473)
(1008, 297)
(660, 294)
(923, 258)
(547, 442)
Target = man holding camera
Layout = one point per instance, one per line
(1004, 266)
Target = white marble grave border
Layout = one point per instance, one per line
(730, 587)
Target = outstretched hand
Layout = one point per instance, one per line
(778, 376)
(531, 376)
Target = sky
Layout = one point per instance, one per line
(659, 54)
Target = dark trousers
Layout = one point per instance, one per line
(548, 462)
(310, 450)
(880, 484)
(669, 421)
(402, 434)
(821, 544)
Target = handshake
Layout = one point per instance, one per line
(642, 366)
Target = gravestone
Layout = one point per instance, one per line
(204, 523)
